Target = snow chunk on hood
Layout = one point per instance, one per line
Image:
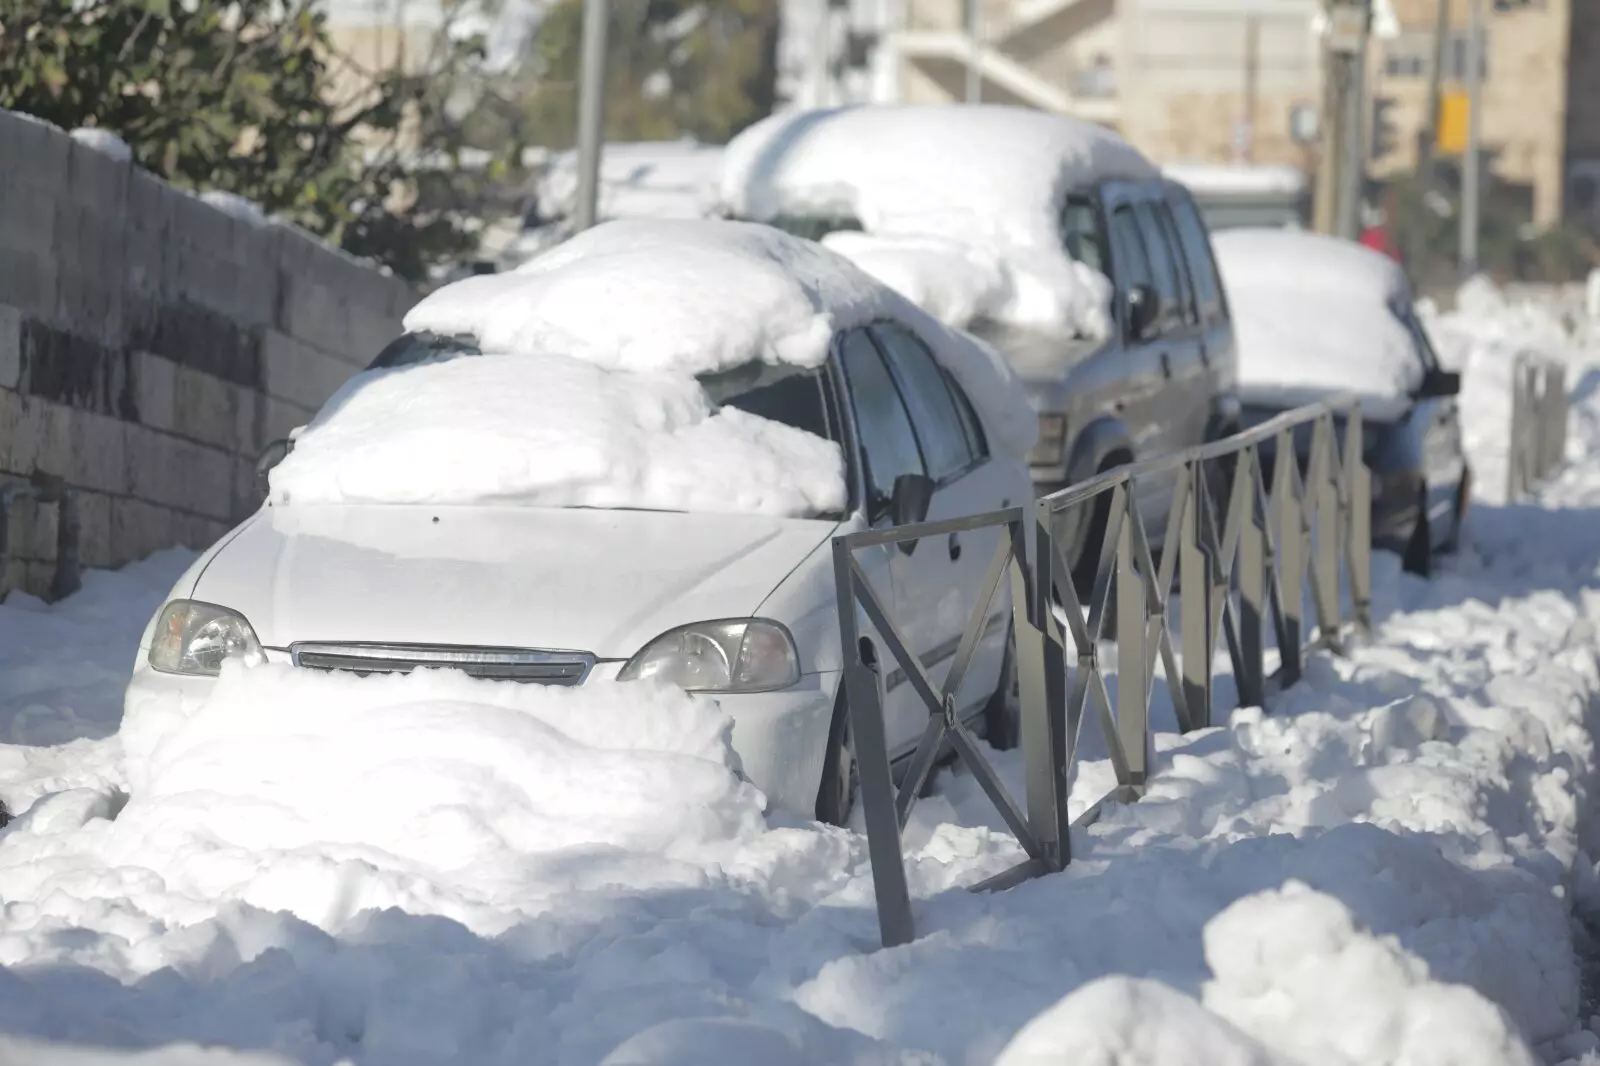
(586, 393)
(989, 178)
(1311, 319)
(549, 430)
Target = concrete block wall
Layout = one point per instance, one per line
(151, 345)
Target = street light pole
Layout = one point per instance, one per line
(591, 110)
(1472, 164)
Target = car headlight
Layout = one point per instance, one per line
(193, 638)
(733, 655)
(1052, 445)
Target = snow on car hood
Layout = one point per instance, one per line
(587, 580)
(1311, 319)
(552, 431)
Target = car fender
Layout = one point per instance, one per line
(1096, 446)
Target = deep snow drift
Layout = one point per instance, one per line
(432, 870)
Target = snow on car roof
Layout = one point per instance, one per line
(1311, 318)
(1230, 179)
(989, 178)
(586, 394)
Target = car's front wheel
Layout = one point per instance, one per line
(1418, 555)
(836, 795)
(1002, 715)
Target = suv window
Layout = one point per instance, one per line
(1163, 261)
(935, 416)
(1189, 304)
(1197, 253)
(888, 443)
(1407, 315)
(1133, 265)
(1080, 232)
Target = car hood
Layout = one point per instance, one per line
(588, 580)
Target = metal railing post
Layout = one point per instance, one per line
(1195, 594)
(1133, 696)
(1251, 573)
(1041, 666)
(1358, 521)
(862, 693)
(1289, 567)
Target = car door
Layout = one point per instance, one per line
(888, 449)
(1188, 390)
(1144, 379)
(1437, 419)
(1216, 328)
(944, 577)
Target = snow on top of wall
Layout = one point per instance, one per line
(104, 141)
(989, 177)
(1311, 318)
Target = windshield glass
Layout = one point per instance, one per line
(411, 348)
(785, 394)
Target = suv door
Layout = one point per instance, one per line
(944, 577)
(1216, 327)
(1184, 403)
(889, 448)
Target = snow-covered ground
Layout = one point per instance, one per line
(432, 870)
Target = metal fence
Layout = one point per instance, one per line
(1538, 422)
(1239, 556)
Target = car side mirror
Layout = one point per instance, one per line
(1439, 383)
(1143, 306)
(909, 504)
(271, 456)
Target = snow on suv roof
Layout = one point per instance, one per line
(950, 169)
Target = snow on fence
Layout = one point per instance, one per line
(1538, 439)
(1234, 571)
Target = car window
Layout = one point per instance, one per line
(977, 442)
(1197, 253)
(1419, 334)
(888, 444)
(1080, 231)
(1188, 304)
(934, 414)
(784, 394)
(408, 349)
(1133, 265)
(1163, 264)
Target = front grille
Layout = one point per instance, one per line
(527, 665)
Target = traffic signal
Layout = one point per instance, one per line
(1385, 134)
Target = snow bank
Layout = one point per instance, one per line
(989, 178)
(1311, 319)
(587, 395)
(104, 142)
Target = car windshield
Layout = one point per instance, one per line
(410, 349)
(780, 393)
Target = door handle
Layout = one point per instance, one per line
(955, 547)
(1166, 365)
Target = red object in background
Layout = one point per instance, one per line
(1379, 240)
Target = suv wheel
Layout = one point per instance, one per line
(836, 795)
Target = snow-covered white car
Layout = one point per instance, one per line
(628, 459)
(1317, 317)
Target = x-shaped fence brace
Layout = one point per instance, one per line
(1538, 422)
(1232, 572)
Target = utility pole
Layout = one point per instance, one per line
(1343, 163)
(591, 110)
(1252, 88)
(1428, 138)
(1472, 164)
(974, 52)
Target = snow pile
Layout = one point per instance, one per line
(1483, 336)
(103, 141)
(1311, 319)
(990, 179)
(588, 397)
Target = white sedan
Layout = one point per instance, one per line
(627, 460)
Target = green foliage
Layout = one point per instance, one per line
(239, 95)
(676, 68)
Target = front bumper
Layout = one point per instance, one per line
(779, 737)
